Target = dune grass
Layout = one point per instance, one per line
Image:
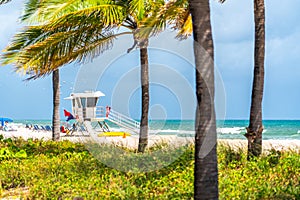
(36, 169)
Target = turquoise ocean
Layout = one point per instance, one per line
(227, 129)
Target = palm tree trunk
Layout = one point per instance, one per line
(56, 98)
(143, 138)
(206, 168)
(255, 129)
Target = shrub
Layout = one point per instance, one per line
(53, 170)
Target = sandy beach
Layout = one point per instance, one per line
(132, 141)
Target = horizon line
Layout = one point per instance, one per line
(278, 119)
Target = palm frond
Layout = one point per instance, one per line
(37, 11)
(185, 29)
(174, 14)
(111, 16)
(155, 22)
(28, 36)
(79, 35)
(137, 9)
(30, 10)
(41, 55)
(4, 1)
(82, 54)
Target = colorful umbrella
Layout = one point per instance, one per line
(5, 119)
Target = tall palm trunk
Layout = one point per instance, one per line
(206, 169)
(255, 129)
(55, 116)
(143, 138)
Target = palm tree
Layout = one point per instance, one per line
(206, 169)
(174, 13)
(80, 30)
(255, 128)
(56, 100)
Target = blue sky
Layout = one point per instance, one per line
(233, 38)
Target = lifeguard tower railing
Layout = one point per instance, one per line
(115, 117)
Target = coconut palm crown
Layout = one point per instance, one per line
(77, 30)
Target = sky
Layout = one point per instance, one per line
(116, 73)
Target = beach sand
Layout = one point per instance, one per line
(267, 144)
(132, 141)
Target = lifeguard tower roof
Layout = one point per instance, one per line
(86, 94)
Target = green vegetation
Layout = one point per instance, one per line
(37, 169)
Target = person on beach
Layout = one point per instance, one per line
(74, 127)
(108, 108)
(7, 127)
(64, 130)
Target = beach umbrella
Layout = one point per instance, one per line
(5, 119)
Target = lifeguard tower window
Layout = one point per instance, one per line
(78, 103)
(91, 101)
(83, 102)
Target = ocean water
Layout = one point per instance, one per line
(228, 129)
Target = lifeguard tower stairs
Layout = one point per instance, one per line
(86, 111)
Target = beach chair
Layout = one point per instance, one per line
(35, 127)
(29, 126)
(43, 128)
(82, 128)
(48, 128)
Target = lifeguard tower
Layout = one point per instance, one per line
(86, 111)
(84, 106)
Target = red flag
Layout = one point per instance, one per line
(67, 114)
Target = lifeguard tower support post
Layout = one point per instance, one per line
(85, 109)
